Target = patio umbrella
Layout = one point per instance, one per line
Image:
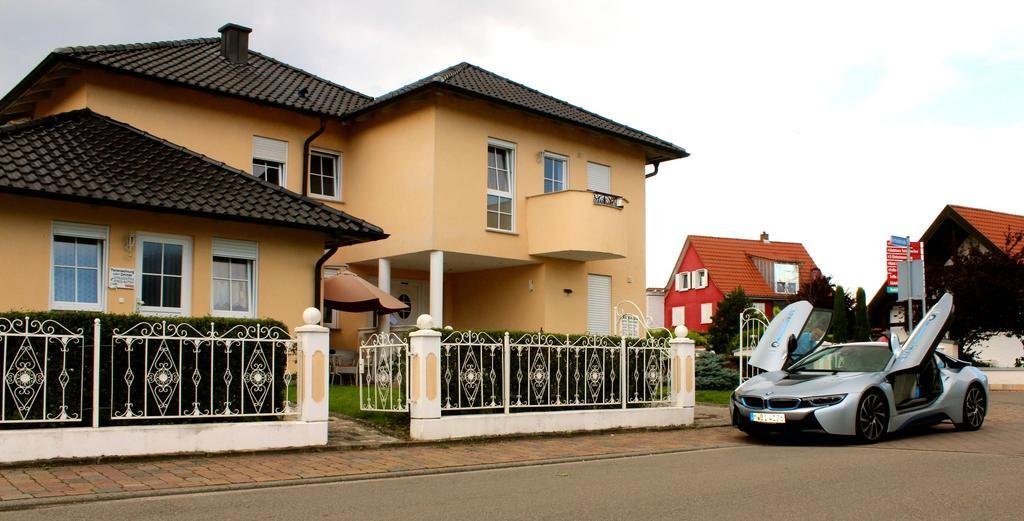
(347, 291)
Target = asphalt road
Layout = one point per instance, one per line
(910, 477)
(750, 482)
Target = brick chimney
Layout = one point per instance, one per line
(764, 237)
(234, 42)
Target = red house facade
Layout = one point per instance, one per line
(710, 267)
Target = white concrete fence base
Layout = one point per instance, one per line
(426, 421)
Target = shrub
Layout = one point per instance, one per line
(713, 375)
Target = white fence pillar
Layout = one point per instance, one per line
(424, 372)
(314, 351)
(683, 375)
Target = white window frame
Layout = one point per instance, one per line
(699, 279)
(775, 277)
(237, 250)
(185, 308)
(337, 173)
(683, 281)
(678, 316)
(707, 311)
(331, 318)
(760, 306)
(82, 231)
(565, 171)
(269, 157)
(511, 194)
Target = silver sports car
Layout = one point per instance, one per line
(859, 389)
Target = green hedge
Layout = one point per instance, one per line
(115, 391)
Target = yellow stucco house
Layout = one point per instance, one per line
(504, 207)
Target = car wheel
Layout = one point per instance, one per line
(975, 407)
(872, 417)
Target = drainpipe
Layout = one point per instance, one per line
(305, 158)
(655, 172)
(318, 274)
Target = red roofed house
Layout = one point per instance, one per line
(710, 267)
(957, 229)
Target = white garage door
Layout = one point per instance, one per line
(599, 304)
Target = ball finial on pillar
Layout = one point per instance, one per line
(681, 331)
(425, 321)
(311, 316)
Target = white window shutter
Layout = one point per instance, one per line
(599, 178)
(705, 313)
(235, 249)
(679, 282)
(599, 304)
(269, 149)
(679, 315)
(89, 231)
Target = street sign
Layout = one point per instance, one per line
(896, 240)
(895, 254)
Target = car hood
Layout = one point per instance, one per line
(802, 385)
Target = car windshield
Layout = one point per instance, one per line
(845, 358)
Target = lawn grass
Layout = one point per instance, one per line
(344, 399)
(714, 397)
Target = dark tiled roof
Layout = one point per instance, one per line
(475, 80)
(199, 63)
(82, 156)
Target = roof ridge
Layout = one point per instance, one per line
(746, 240)
(134, 46)
(559, 100)
(955, 206)
(249, 178)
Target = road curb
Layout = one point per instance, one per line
(25, 504)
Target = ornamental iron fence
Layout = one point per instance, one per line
(384, 373)
(43, 364)
(161, 370)
(753, 324)
(155, 370)
(537, 371)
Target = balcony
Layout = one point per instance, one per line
(576, 225)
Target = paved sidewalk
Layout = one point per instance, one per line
(29, 485)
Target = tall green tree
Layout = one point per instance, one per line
(840, 326)
(988, 292)
(819, 292)
(725, 323)
(862, 326)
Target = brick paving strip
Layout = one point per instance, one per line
(43, 484)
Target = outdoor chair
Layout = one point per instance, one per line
(344, 362)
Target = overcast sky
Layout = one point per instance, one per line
(833, 125)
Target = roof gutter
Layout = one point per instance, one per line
(655, 172)
(318, 274)
(305, 159)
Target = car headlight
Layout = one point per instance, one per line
(823, 401)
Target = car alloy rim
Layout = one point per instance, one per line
(872, 417)
(975, 407)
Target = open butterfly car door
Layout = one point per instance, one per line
(913, 375)
(795, 331)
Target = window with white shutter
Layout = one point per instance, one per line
(599, 178)
(599, 304)
(683, 281)
(270, 159)
(679, 316)
(233, 288)
(705, 313)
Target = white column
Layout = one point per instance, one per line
(384, 283)
(684, 381)
(424, 377)
(314, 350)
(437, 287)
(384, 275)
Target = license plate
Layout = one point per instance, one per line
(767, 417)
